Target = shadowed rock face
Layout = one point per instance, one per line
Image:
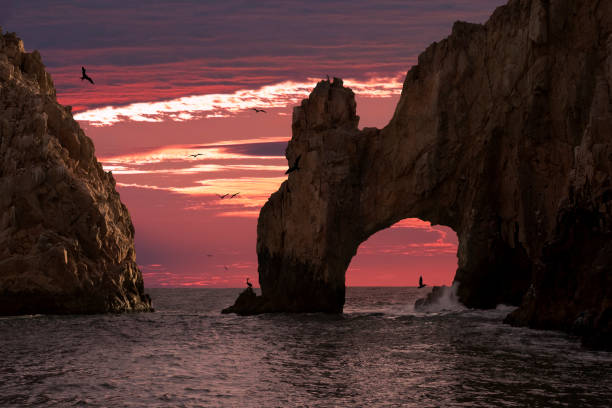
(66, 240)
(503, 133)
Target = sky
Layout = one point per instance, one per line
(180, 78)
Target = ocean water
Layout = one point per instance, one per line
(379, 353)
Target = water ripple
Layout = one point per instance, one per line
(379, 353)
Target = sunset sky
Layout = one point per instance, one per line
(174, 78)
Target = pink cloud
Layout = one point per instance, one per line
(436, 240)
(280, 95)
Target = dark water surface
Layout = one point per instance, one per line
(379, 353)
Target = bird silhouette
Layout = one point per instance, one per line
(225, 267)
(196, 155)
(295, 165)
(249, 284)
(234, 195)
(222, 196)
(259, 110)
(85, 76)
(421, 285)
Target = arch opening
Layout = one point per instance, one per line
(383, 276)
(400, 254)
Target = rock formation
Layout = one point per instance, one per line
(503, 132)
(66, 240)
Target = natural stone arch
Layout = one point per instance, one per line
(502, 133)
(353, 184)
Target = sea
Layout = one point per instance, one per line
(378, 353)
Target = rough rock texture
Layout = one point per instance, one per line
(504, 133)
(66, 240)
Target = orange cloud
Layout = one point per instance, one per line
(171, 169)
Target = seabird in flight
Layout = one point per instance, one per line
(259, 110)
(196, 155)
(85, 76)
(295, 165)
(222, 196)
(234, 195)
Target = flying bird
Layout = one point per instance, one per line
(225, 267)
(222, 196)
(234, 195)
(85, 76)
(295, 165)
(259, 110)
(196, 155)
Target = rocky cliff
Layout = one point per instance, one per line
(503, 132)
(66, 240)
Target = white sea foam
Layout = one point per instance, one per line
(445, 301)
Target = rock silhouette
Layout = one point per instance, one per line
(502, 133)
(66, 240)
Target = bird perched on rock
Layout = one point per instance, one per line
(295, 165)
(85, 76)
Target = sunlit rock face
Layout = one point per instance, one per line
(503, 132)
(66, 240)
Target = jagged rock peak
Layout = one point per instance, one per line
(330, 105)
(24, 67)
(66, 240)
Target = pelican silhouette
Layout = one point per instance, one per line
(222, 196)
(85, 76)
(196, 155)
(259, 110)
(234, 195)
(295, 165)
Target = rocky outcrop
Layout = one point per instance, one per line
(247, 303)
(503, 133)
(66, 240)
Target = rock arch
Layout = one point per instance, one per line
(502, 133)
(353, 184)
